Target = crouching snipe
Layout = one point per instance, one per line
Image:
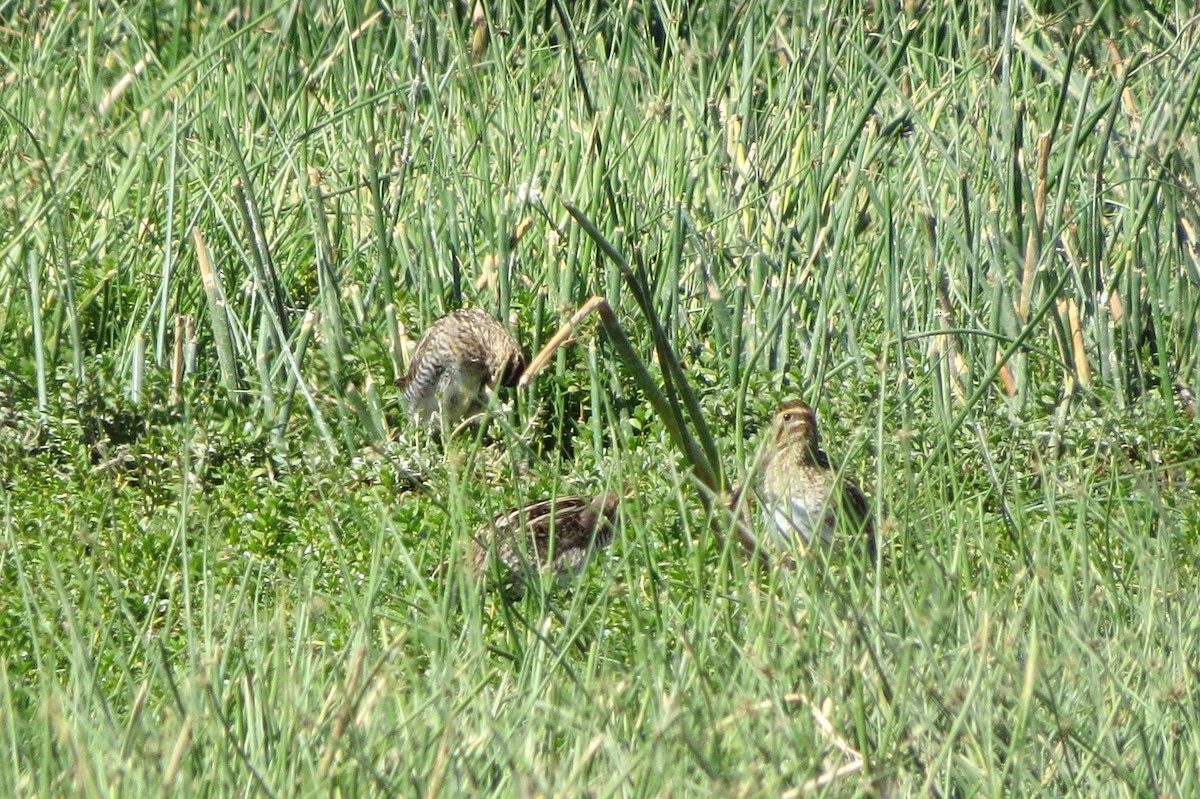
(553, 535)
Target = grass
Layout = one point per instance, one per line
(967, 236)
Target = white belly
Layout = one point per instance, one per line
(789, 519)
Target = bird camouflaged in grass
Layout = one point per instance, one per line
(553, 535)
(800, 497)
(459, 357)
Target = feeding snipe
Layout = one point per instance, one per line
(554, 535)
(459, 356)
(801, 498)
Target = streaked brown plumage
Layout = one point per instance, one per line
(800, 497)
(458, 357)
(555, 535)
(1186, 397)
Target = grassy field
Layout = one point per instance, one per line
(228, 563)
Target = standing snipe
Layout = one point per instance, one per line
(801, 498)
(457, 358)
